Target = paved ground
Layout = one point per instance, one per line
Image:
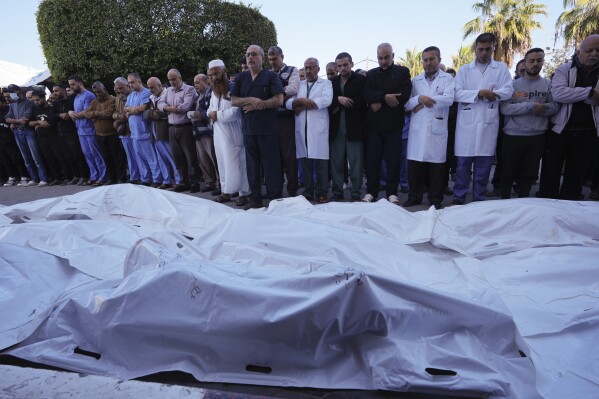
(15, 195)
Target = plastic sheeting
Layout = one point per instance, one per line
(497, 298)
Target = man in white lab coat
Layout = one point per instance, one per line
(479, 87)
(432, 95)
(312, 130)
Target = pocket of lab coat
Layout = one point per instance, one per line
(439, 126)
(465, 114)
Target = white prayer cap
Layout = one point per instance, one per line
(216, 63)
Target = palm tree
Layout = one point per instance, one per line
(412, 61)
(579, 22)
(465, 55)
(511, 21)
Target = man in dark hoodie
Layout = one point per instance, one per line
(388, 88)
(347, 125)
(44, 121)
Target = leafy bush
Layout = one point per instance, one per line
(103, 39)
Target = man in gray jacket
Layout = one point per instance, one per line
(527, 118)
(572, 139)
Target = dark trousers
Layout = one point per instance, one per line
(207, 159)
(73, 155)
(520, 156)
(496, 180)
(321, 187)
(426, 174)
(49, 146)
(595, 167)
(286, 138)
(387, 146)
(575, 148)
(263, 150)
(183, 147)
(114, 156)
(11, 162)
(450, 163)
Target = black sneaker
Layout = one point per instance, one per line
(437, 205)
(253, 205)
(194, 188)
(411, 202)
(179, 188)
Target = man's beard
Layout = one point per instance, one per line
(221, 86)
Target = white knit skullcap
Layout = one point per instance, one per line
(216, 63)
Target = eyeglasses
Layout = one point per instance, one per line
(252, 54)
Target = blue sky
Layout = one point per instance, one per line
(320, 29)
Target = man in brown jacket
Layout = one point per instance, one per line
(100, 111)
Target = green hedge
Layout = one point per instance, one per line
(103, 39)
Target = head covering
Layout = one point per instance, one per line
(13, 88)
(216, 63)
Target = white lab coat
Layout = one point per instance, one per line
(478, 120)
(427, 140)
(228, 146)
(316, 144)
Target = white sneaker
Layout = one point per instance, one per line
(23, 182)
(42, 183)
(31, 183)
(393, 199)
(368, 198)
(10, 182)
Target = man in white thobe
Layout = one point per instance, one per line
(228, 137)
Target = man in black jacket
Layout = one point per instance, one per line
(289, 76)
(347, 126)
(388, 88)
(68, 139)
(44, 121)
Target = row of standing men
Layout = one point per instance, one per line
(328, 121)
(262, 124)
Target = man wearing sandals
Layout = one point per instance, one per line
(312, 130)
(228, 137)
